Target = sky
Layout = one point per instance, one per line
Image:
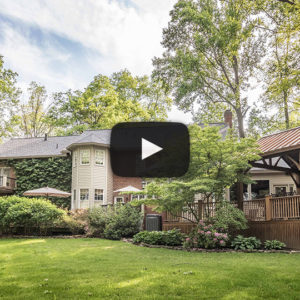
(63, 44)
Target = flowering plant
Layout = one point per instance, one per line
(206, 236)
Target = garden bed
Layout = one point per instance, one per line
(286, 251)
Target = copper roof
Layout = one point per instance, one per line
(277, 142)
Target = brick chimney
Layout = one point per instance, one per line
(228, 117)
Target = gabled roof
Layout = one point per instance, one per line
(52, 146)
(93, 137)
(278, 142)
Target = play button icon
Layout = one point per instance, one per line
(149, 149)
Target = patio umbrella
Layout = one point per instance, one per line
(47, 192)
(128, 190)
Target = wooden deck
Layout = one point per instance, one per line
(269, 218)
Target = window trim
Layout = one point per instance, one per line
(103, 151)
(81, 151)
(95, 195)
(115, 199)
(88, 194)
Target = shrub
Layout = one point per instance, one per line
(206, 236)
(274, 244)
(98, 218)
(71, 224)
(228, 218)
(28, 213)
(123, 221)
(245, 243)
(169, 238)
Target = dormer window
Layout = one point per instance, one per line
(99, 157)
(85, 157)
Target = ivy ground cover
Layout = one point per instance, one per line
(103, 269)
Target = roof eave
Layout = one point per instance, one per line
(87, 144)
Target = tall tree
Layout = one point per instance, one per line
(282, 67)
(34, 120)
(215, 164)
(9, 100)
(109, 100)
(212, 50)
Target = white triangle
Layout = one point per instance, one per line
(149, 148)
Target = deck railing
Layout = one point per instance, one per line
(264, 209)
(285, 208)
(195, 211)
(255, 210)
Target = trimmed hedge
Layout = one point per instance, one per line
(168, 238)
(31, 214)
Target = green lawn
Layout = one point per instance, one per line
(102, 269)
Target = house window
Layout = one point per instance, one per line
(99, 157)
(74, 195)
(119, 199)
(98, 195)
(85, 157)
(84, 194)
(75, 159)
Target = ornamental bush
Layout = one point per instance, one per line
(228, 218)
(274, 244)
(123, 221)
(98, 218)
(28, 213)
(206, 236)
(168, 238)
(245, 243)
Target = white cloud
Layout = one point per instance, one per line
(119, 36)
(128, 36)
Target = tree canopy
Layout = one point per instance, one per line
(216, 163)
(211, 52)
(106, 101)
(9, 100)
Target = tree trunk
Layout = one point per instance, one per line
(240, 120)
(286, 110)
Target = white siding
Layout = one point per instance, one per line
(92, 177)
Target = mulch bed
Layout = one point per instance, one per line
(286, 251)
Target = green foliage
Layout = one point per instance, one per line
(111, 222)
(229, 218)
(245, 243)
(281, 68)
(28, 213)
(168, 238)
(206, 236)
(124, 222)
(212, 49)
(39, 172)
(9, 100)
(98, 218)
(34, 121)
(274, 244)
(215, 164)
(74, 221)
(106, 101)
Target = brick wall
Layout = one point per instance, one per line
(121, 182)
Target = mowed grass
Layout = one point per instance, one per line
(102, 269)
